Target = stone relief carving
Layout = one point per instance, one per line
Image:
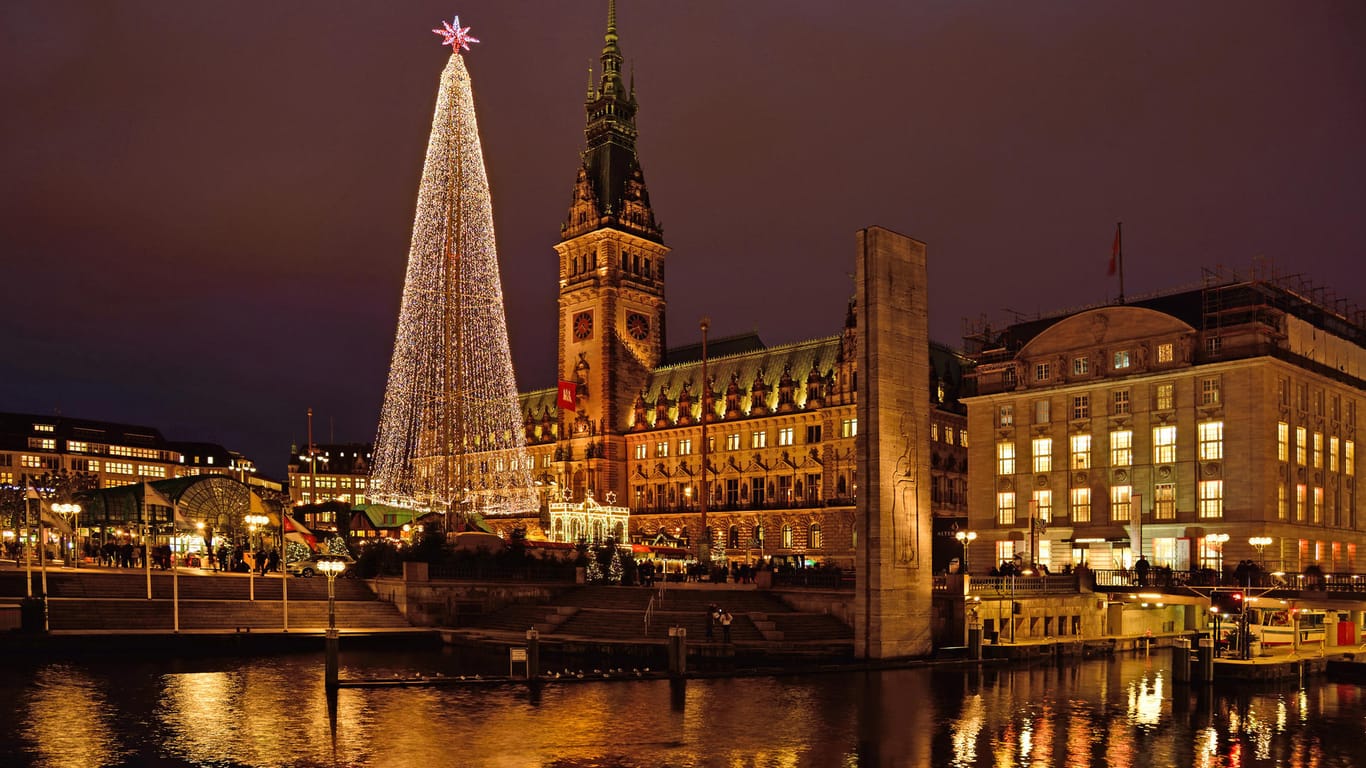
(905, 496)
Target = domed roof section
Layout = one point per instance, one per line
(1106, 325)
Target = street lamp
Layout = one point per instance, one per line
(1218, 540)
(1260, 542)
(253, 521)
(331, 567)
(965, 538)
(74, 510)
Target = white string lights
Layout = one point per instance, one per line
(450, 433)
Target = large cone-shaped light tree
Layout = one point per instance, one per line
(450, 434)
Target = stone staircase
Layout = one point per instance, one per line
(618, 613)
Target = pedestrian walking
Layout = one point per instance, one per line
(725, 619)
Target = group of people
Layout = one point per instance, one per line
(718, 616)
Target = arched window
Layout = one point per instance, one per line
(787, 536)
(759, 535)
(816, 539)
(840, 487)
(733, 537)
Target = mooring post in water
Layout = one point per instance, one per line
(678, 651)
(533, 654)
(331, 680)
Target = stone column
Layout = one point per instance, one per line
(893, 604)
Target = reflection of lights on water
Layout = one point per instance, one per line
(964, 731)
(1206, 746)
(67, 720)
(1026, 740)
(1281, 716)
(1145, 701)
(1079, 736)
(1304, 706)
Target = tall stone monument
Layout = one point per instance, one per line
(893, 603)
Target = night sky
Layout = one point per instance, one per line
(205, 206)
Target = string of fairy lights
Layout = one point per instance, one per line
(450, 433)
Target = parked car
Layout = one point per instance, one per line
(308, 567)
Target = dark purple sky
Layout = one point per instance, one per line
(205, 206)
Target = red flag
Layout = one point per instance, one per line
(1114, 253)
(567, 396)
(295, 531)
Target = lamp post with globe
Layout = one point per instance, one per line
(965, 538)
(71, 513)
(331, 567)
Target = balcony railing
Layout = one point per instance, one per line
(1160, 578)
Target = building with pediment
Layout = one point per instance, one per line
(1199, 429)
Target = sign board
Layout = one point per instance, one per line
(517, 654)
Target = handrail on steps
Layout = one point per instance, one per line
(649, 614)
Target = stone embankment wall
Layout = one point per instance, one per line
(452, 604)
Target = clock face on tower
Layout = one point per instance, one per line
(583, 326)
(638, 326)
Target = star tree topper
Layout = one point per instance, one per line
(456, 36)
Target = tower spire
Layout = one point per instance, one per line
(611, 53)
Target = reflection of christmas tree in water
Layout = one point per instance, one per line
(450, 433)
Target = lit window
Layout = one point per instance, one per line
(786, 436)
(641, 451)
(1041, 371)
(662, 449)
(1318, 505)
(1081, 406)
(1211, 435)
(1006, 416)
(1318, 450)
(1043, 454)
(1005, 551)
(1301, 445)
(787, 537)
(1081, 366)
(1282, 441)
(1081, 451)
(1122, 359)
(1164, 353)
(1209, 391)
(1163, 396)
(1211, 499)
(1043, 505)
(816, 537)
(31, 462)
(1005, 508)
(1301, 500)
(963, 438)
(1164, 501)
(1081, 505)
(758, 440)
(1119, 402)
(1122, 448)
(1120, 496)
(1332, 454)
(1164, 444)
(1041, 412)
(733, 441)
(849, 428)
(44, 428)
(685, 447)
(1349, 461)
(1005, 458)
(934, 433)
(1282, 502)
(77, 447)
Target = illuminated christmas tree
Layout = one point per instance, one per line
(450, 434)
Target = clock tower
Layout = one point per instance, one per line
(611, 269)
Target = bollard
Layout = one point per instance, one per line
(678, 651)
(533, 654)
(331, 675)
(1205, 661)
(1181, 660)
(975, 643)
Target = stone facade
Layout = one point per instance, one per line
(892, 605)
(1167, 426)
